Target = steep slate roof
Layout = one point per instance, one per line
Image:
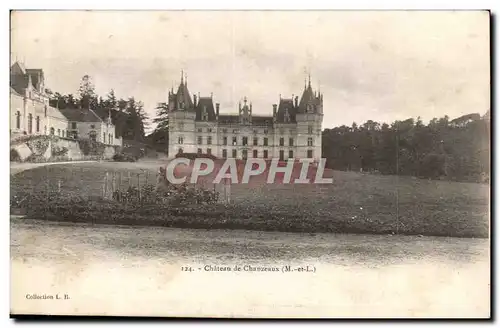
(308, 97)
(80, 115)
(19, 77)
(13, 91)
(292, 110)
(262, 120)
(36, 76)
(56, 113)
(208, 103)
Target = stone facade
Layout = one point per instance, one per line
(293, 130)
(31, 113)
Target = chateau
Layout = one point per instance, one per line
(292, 131)
(31, 113)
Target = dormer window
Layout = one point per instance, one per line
(287, 116)
(204, 114)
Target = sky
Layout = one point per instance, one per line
(378, 65)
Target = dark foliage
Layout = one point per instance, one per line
(458, 150)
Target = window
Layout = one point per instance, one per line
(58, 132)
(111, 136)
(52, 131)
(290, 141)
(265, 141)
(282, 155)
(200, 130)
(266, 131)
(104, 137)
(73, 125)
(92, 126)
(255, 153)
(224, 130)
(245, 141)
(199, 151)
(235, 153)
(224, 141)
(180, 141)
(290, 154)
(310, 142)
(209, 151)
(255, 141)
(63, 133)
(287, 116)
(180, 151)
(282, 141)
(93, 136)
(309, 153)
(38, 124)
(18, 120)
(209, 130)
(265, 154)
(209, 140)
(224, 153)
(310, 129)
(200, 140)
(244, 154)
(234, 141)
(30, 123)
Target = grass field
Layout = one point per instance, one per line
(373, 203)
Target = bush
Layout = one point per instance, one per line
(14, 156)
(192, 156)
(59, 151)
(124, 158)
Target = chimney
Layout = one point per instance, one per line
(296, 101)
(217, 105)
(194, 99)
(274, 109)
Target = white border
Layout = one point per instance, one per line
(179, 5)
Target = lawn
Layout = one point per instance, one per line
(354, 202)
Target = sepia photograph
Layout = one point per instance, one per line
(246, 164)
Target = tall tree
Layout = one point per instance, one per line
(86, 91)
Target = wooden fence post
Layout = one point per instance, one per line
(113, 186)
(139, 185)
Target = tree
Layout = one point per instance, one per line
(161, 118)
(86, 92)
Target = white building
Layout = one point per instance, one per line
(31, 114)
(293, 131)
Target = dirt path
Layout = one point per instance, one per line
(138, 271)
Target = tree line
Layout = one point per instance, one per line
(454, 150)
(127, 115)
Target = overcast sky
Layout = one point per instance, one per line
(369, 65)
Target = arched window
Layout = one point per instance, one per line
(104, 137)
(52, 131)
(30, 123)
(62, 133)
(18, 120)
(38, 124)
(109, 137)
(58, 132)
